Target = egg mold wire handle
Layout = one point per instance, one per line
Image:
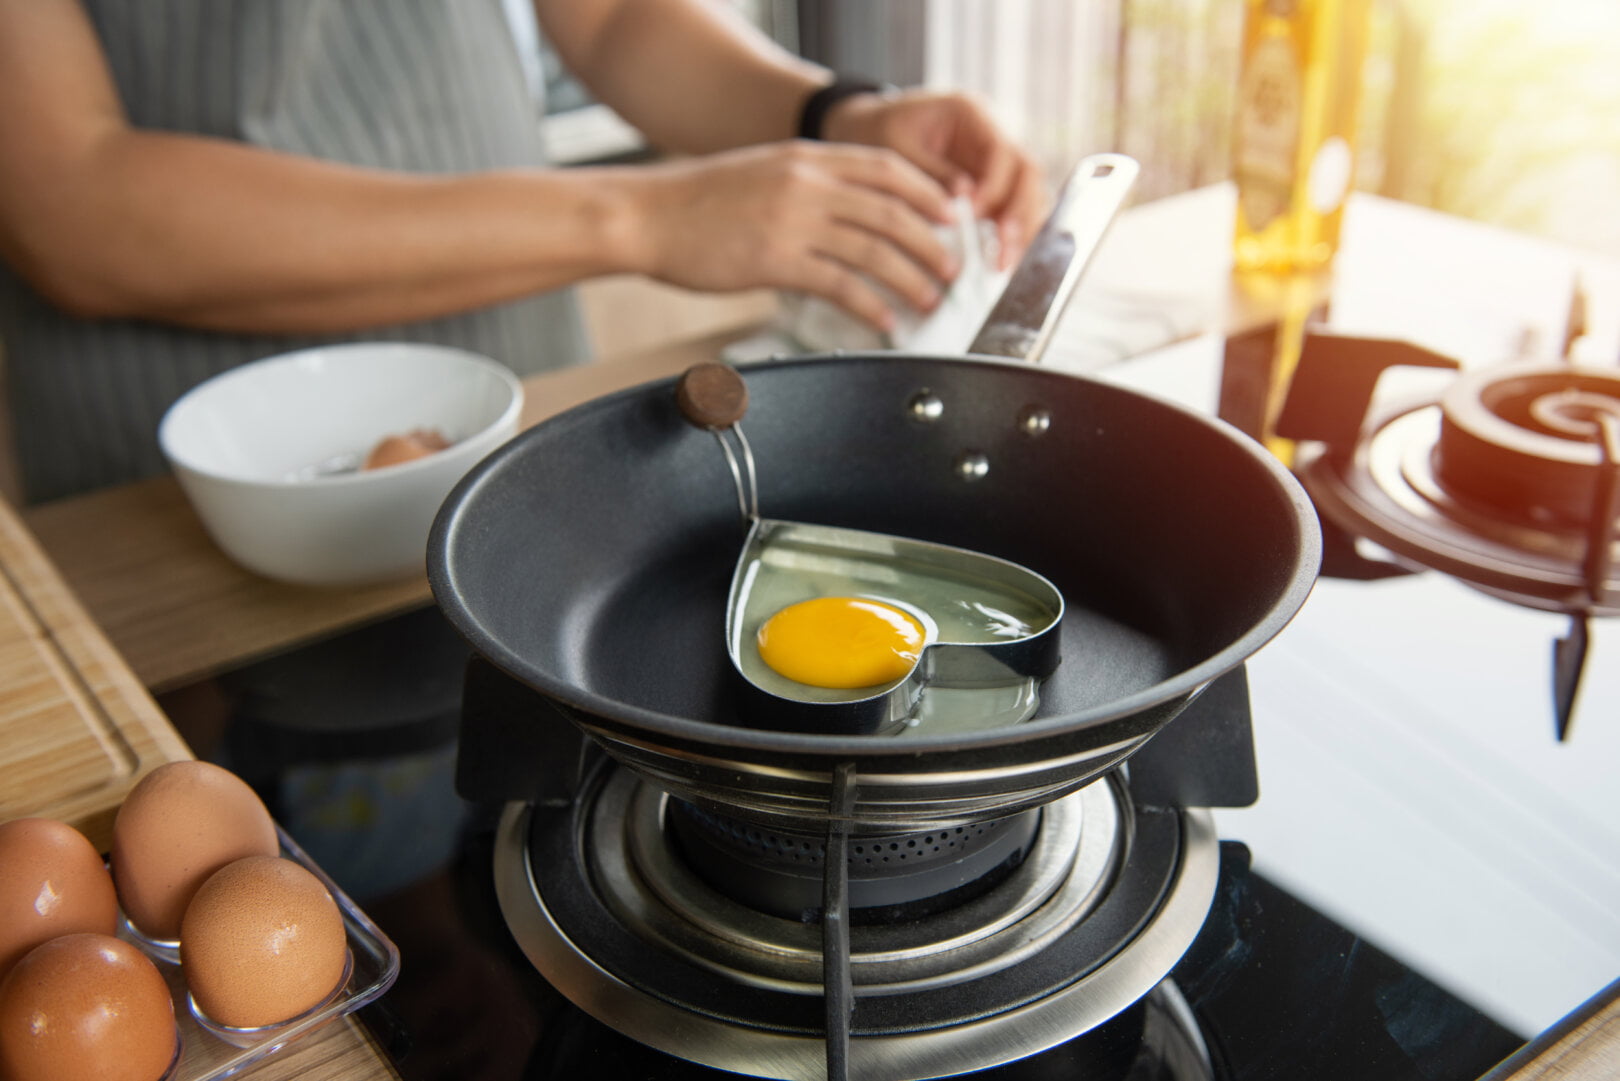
(747, 490)
(713, 396)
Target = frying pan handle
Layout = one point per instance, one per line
(1021, 323)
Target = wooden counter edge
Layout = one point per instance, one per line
(76, 667)
(1584, 1046)
(86, 672)
(140, 561)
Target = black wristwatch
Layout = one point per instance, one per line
(816, 107)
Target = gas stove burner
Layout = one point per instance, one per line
(891, 878)
(1501, 483)
(1526, 447)
(1510, 482)
(1064, 941)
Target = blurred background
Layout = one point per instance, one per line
(1503, 111)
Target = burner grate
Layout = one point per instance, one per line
(1107, 900)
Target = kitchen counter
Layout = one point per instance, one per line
(162, 608)
(78, 730)
(179, 611)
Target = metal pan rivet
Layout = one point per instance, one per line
(925, 407)
(972, 465)
(1034, 421)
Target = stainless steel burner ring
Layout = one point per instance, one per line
(1071, 890)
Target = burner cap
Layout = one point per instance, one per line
(894, 876)
(1494, 484)
(1527, 444)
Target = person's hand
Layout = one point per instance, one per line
(830, 220)
(952, 137)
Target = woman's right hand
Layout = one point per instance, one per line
(825, 219)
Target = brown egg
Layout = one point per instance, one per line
(398, 449)
(52, 882)
(178, 825)
(263, 941)
(86, 1005)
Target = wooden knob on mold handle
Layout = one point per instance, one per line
(712, 395)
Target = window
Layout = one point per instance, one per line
(1506, 111)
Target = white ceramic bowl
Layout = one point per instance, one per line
(243, 445)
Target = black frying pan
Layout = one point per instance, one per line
(590, 557)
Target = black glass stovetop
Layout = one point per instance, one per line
(1279, 992)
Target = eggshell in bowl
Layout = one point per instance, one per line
(52, 882)
(178, 825)
(242, 446)
(262, 942)
(399, 449)
(86, 1005)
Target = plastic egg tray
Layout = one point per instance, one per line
(209, 1051)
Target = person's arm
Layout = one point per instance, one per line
(694, 76)
(108, 220)
(691, 75)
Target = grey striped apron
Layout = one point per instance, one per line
(417, 85)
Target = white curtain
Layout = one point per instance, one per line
(1150, 78)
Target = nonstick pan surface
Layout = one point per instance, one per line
(589, 559)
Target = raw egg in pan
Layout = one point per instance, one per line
(841, 642)
(849, 631)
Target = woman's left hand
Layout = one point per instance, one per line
(953, 138)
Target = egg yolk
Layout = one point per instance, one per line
(841, 642)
